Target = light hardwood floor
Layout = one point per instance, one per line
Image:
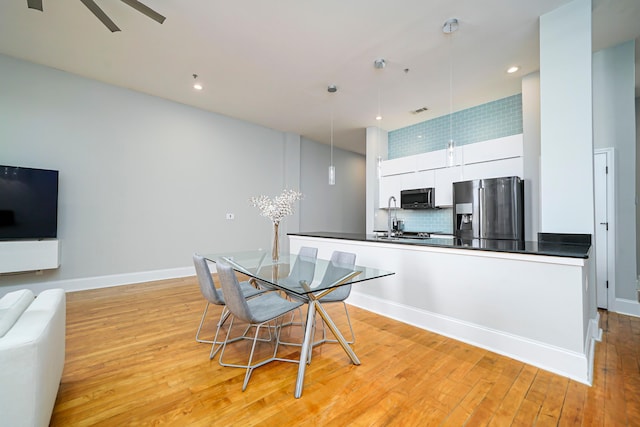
(131, 359)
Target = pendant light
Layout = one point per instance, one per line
(379, 158)
(332, 169)
(449, 27)
(196, 83)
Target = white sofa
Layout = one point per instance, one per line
(32, 346)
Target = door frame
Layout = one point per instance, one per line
(611, 235)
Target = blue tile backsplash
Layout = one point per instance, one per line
(487, 121)
(492, 120)
(437, 220)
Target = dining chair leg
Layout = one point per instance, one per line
(324, 330)
(204, 315)
(251, 367)
(247, 375)
(224, 346)
(291, 322)
(223, 318)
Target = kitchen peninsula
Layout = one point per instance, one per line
(527, 300)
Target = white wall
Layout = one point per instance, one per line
(145, 182)
(637, 185)
(566, 186)
(340, 207)
(614, 126)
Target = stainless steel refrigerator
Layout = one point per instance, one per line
(489, 208)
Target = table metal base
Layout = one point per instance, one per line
(307, 343)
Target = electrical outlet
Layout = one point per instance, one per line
(230, 216)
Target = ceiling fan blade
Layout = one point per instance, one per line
(145, 10)
(99, 13)
(34, 4)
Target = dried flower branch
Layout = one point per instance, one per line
(277, 208)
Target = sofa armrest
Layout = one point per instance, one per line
(32, 359)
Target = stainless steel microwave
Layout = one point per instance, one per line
(419, 198)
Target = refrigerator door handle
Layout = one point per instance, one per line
(481, 212)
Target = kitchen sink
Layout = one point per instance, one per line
(414, 238)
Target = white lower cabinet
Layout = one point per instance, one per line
(29, 255)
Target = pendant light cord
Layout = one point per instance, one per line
(331, 137)
(451, 86)
(378, 120)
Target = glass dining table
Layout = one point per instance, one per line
(308, 278)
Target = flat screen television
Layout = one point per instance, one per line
(28, 203)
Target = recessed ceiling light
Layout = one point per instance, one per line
(513, 69)
(378, 117)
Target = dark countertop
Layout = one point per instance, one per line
(546, 247)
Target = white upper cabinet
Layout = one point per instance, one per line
(444, 179)
(390, 186)
(494, 169)
(431, 160)
(487, 159)
(494, 149)
(422, 179)
(397, 166)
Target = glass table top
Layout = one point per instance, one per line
(297, 274)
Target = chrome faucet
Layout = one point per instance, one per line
(395, 206)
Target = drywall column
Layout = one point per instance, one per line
(566, 191)
(291, 180)
(566, 137)
(614, 126)
(531, 134)
(377, 146)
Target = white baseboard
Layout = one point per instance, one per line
(627, 306)
(571, 364)
(105, 281)
(594, 334)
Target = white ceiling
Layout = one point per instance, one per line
(270, 62)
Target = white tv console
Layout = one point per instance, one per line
(29, 255)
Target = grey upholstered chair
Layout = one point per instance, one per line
(339, 262)
(214, 296)
(257, 312)
(304, 266)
